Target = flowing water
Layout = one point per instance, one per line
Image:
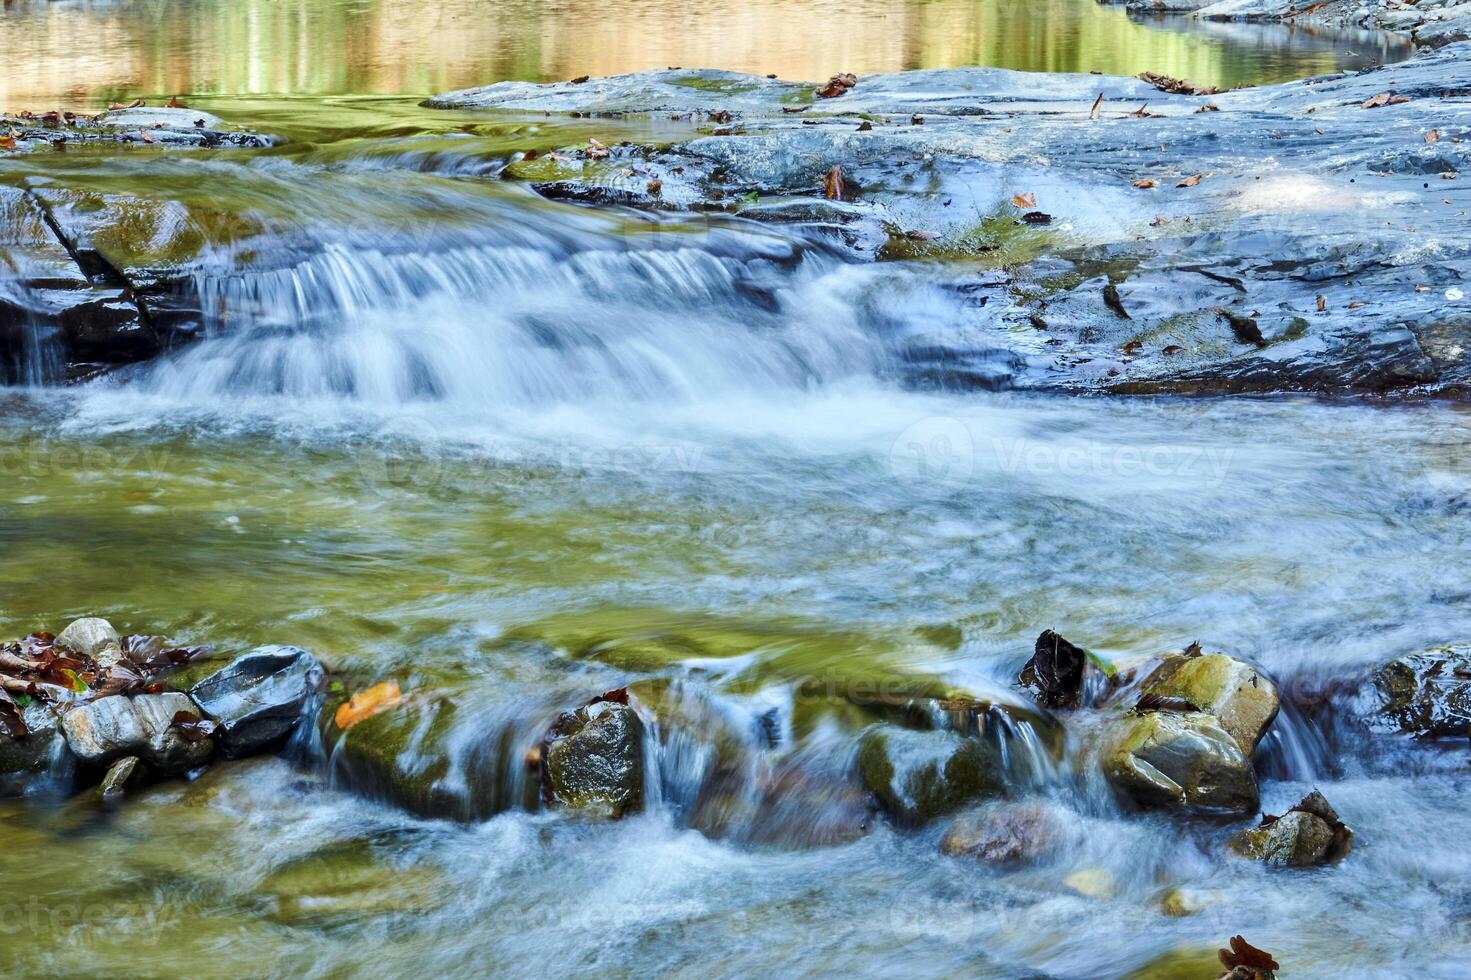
(444, 431)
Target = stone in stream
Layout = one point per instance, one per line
(1008, 835)
(34, 752)
(109, 728)
(1427, 695)
(1241, 699)
(260, 697)
(593, 759)
(1059, 672)
(94, 637)
(1309, 834)
(1179, 761)
(122, 776)
(919, 775)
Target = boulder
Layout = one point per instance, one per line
(109, 728)
(35, 751)
(92, 637)
(1006, 835)
(1179, 761)
(1061, 675)
(919, 775)
(1243, 701)
(1309, 834)
(258, 699)
(1427, 694)
(593, 759)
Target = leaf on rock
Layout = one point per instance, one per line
(147, 137)
(655, 186)
(1037, 218)
(837, 85)
(1432, 136)
(795, 108)
(1161, 702)
(1190, 181)
(720, 116)
(1173, 349)
(832, 184)
(7, 142)
(174, 103)
(1159, 221)
(1243, 953)
(367, 703)
(1209, 107)
(1322, 303)
(191, 726)
(865, 126)
(1027, 200)
(1385, 98)
(579, 79)
(11, 722)
(1177, 86)
(1144, 184)
(1094, 112)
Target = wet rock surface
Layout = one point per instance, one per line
(1299, 237)
(1183, 761)
(1008, 835)
(1427, 695)
(1311, 833)
(920, 775)
(593, 760)
(1241, 699)
(109, 728)
(259, 699)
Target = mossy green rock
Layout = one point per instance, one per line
(594, 760)
(1179, 761)
(1427, 695)
(1241, 699)
(920, 775)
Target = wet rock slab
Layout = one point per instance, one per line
(1310, 236)
(109, 728)
(259, 699)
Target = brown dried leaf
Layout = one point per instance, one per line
(865, 126)
(7, 142)
(579, 79)
(191, 726)
(1144, 184)
(915, 235)
(147, 137)
(655, 186)
(1094, 112)
(174, 103)
(795, 108)
(1432, 136)
(1381, 99)
(1322, 304)
(832, 184)
(1243, 953)
(367, 703)
(1190, 181)
(1160, 702)
(1027, 200)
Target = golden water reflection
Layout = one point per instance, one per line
(79, 51)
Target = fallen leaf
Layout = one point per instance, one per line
(1144, 184)
(579, 79)
(916, 235)
(1140, 113)
(655, 185)
(174, 103)
(7, 142)
(1177, 86)
(720, 116)
(832, 90)
(1173, 349)
(1133, 347)
(795, 108)
(1159, 221)
(832, 184)
(1027, 200)
(1432, 136)
(1162, 702)
(367, 703)
(192, 727)
(723, 131)
(1190, 181)
(530, 155)
(865, 126)
(1322, 304)
(147, 137)
(1355, 304)
(1243, 953)
(1094, 112)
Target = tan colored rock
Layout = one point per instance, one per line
(1179, 761)
(1241, 699)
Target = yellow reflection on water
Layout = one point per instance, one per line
(81, 50)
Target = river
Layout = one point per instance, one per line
(475, 438)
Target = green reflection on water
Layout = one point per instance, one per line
(83, 52)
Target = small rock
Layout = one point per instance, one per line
(1427, 695)
(1178, 903)
(107, 729)
(1309, 834)
(124, 774)
(594, 759)
(1005, 836)
(920, 775)
(1179, 760)
(1093, 883)
(259, 698)
(89, 636)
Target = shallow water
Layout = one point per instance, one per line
(445, 431)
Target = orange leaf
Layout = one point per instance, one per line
(1432, 136)
(1322, 304)
(1027, 200)
(174, 103)
(1190, 181)
(832, 185)
(1144, 184)
(7, 142)
(365, 704)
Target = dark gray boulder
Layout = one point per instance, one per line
(259, 698)
(1427, 695)
(593, 759)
